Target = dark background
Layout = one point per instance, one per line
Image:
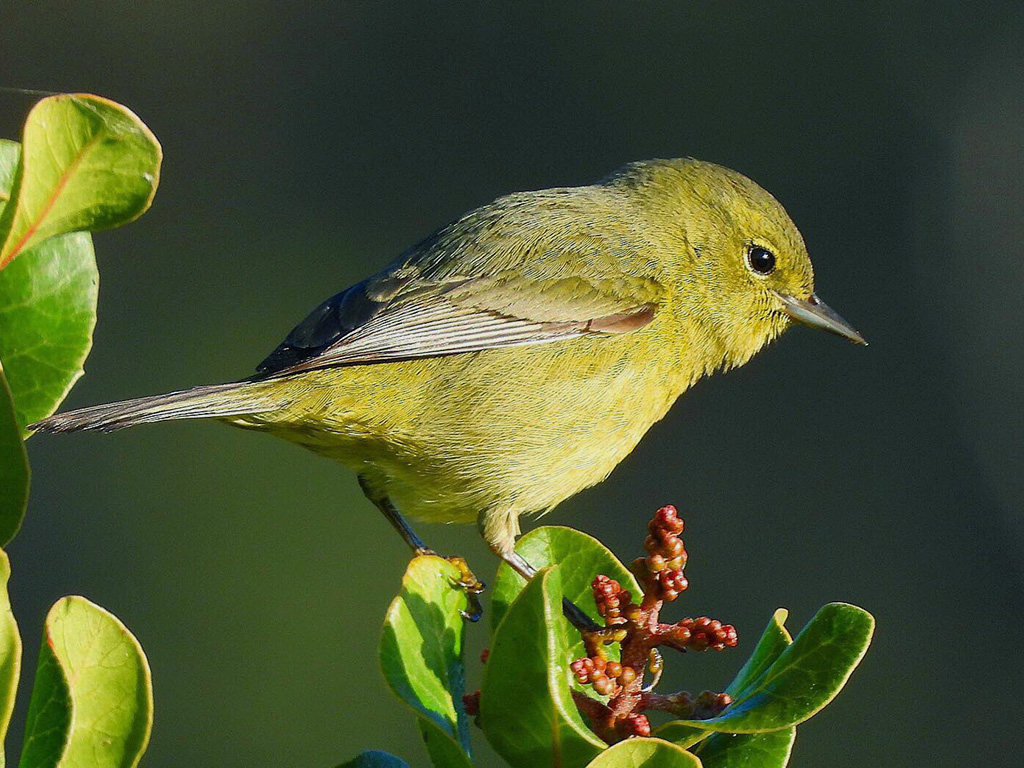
(308, 143)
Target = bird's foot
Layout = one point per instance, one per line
(472, 586)
(468, 583)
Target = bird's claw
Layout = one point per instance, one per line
(472, 586)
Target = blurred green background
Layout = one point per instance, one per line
(308, 143)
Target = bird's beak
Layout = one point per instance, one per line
(817, 314)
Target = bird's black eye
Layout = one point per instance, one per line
(761, 260)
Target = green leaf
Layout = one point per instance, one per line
(804, 678)
(444, 751)
(581, 558)
(375, 759)
(681, 734)
(652, 753)
(526, 707)
(774, 640)
(10, 653)
(421, 655)
(14, 469)
(88, 164)
(92, 701)
(10, 155)
(47, 314)
(747, 750)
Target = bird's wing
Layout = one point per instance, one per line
(458, 293)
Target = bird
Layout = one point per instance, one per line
(515, 356)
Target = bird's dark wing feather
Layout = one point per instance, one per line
(507, 289)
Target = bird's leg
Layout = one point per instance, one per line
(400, 524)
(467, 581)
(500, 531)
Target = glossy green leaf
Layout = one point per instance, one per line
(804, 678)
(14, 469)
(47, 314)
(421, 655)
(526, 707)
(747, 750)
(444, 751)
(10, 156)
(774, 640)
(375, 759)
(10, 654)
(581, 558)
(649, 753)
(88, 164)
(92, 701)
(681, 734)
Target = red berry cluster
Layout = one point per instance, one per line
(619, 714)
(666, 556)
(703, 633)
(471, 703)
(638, 632)
(611, 599)
(615, 605)
(607, 677)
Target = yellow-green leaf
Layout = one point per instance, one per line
(47, 316)
(10, 653)
(421, 655)
(92, 701)
(526, 707)
(747, 750)
(88, 164)
(774, 640)
(645, 753)
(14, 469)
(47, 313)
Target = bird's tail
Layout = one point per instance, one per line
(214, 400)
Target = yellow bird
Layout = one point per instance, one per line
(517, 355)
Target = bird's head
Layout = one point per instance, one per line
(737, 257)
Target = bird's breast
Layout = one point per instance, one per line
(519, 429)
